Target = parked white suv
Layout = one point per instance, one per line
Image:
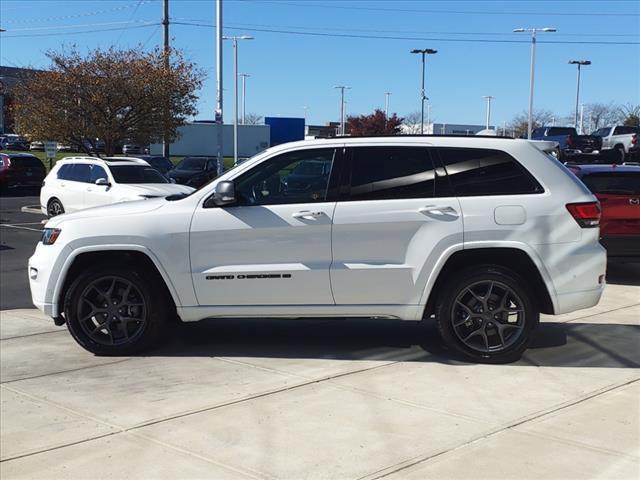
(482, 233)
(76, 183)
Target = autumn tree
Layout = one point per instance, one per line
(375, 124)
(116, 96)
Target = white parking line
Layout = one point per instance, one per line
(20, 227)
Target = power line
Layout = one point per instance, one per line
(386, 37)
(454, 12)
(78, 15)
(149, 24)
(81, 25)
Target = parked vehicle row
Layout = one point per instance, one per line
(484, 234)
(570, 143)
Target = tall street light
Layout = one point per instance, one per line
(579, 63)
(235, 91)
(423, 52)
(342, 88)
(386, 104)
(244, 95)
(533, 32)
(219, 113)
(488, 98)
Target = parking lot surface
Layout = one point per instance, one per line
(320, 398)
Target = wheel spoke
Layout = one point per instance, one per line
(125, 295)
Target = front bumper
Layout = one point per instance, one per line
(44, 270)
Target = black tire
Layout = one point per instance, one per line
(132, 319)
(475, 303)
(54, 208)
(621, 154)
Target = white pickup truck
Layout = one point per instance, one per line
(620, 137)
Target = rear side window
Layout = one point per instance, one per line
(380, 173)
(480, 172)
(554, 132)
(602, 132)
(63, 172)
(26, 161)
(627, 183)
(79, 172)
(626, 130)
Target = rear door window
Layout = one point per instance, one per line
(381, 173)
(80, 172)
(625, 130)
(481, 172)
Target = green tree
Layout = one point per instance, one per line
(116, 96)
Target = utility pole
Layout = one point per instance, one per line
(244, 95)
(488, 98)
(386, 104)
(235, 92)
(581, 118)
(165, 25)
(423, 97)
(429, 117)
(342, 88)
(533, 31)
(218, 113)
(579, 63)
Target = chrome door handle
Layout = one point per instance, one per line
(307, 214)
(435, 210)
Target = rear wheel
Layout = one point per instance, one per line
(115, 310)
(487, 314)
(621, 154)
(54, 208)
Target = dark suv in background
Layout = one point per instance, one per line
(20, 170)
(194, 171)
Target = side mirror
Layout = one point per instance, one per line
(225, 194)
(172, 180)
(102, 182)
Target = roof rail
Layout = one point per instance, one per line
(414, 135)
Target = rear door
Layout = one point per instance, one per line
(394, 218)
(72, 190)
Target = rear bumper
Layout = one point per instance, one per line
(622, 246)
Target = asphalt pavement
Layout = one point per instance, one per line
(19, 233)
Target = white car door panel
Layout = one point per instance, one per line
(273, 248)
(383, 244)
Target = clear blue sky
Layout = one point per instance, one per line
(289, 71)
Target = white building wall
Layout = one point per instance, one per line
(201, 139)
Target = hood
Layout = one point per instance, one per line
(155, 189)
(113, 210)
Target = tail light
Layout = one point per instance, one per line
(569, 141)
(5, 162)
(634, 139)
(586, 214)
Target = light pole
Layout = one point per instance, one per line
(235, 92)
(423, 52)
(579, 63)
(386, 104)
(581, 129)
(488, 98)
(342, 88)
(429, 117)
(218, 115)
(305, 108)
(533, 31)
(244, 94)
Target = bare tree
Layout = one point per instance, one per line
(601, 114)
(629, 114)
(519, 125)
(253, 119)
(411, 123)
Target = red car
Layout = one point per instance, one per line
(618, 189)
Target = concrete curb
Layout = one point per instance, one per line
(32, 209)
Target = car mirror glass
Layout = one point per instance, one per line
(102, 182)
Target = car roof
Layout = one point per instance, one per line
(588, 169)
(109, 161)
(19, 155)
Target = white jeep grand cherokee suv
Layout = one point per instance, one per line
(76, 183)
(484, 234)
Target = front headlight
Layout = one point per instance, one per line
(50, 235)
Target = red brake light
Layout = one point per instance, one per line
(634, 139)
(569, 141)
(586, 214)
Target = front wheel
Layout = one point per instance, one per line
(487, 314)
(115, 310)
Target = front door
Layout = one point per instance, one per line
(273, 247)
(395, 218)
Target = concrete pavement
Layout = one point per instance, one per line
(293, 399)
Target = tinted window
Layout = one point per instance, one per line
(627, 183)
(97, 172)
(602, 132)
(193, 163)
(391, 172)
(63, 172)
(475, 172)
(79, 172)
(275, 181)
(136, 174)
(625, 130)
(557, 131)
(24, 161)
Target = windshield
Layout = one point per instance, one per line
(553, 132)
(192, 163)
(602, 132)
(613, 183)
(136, 174)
